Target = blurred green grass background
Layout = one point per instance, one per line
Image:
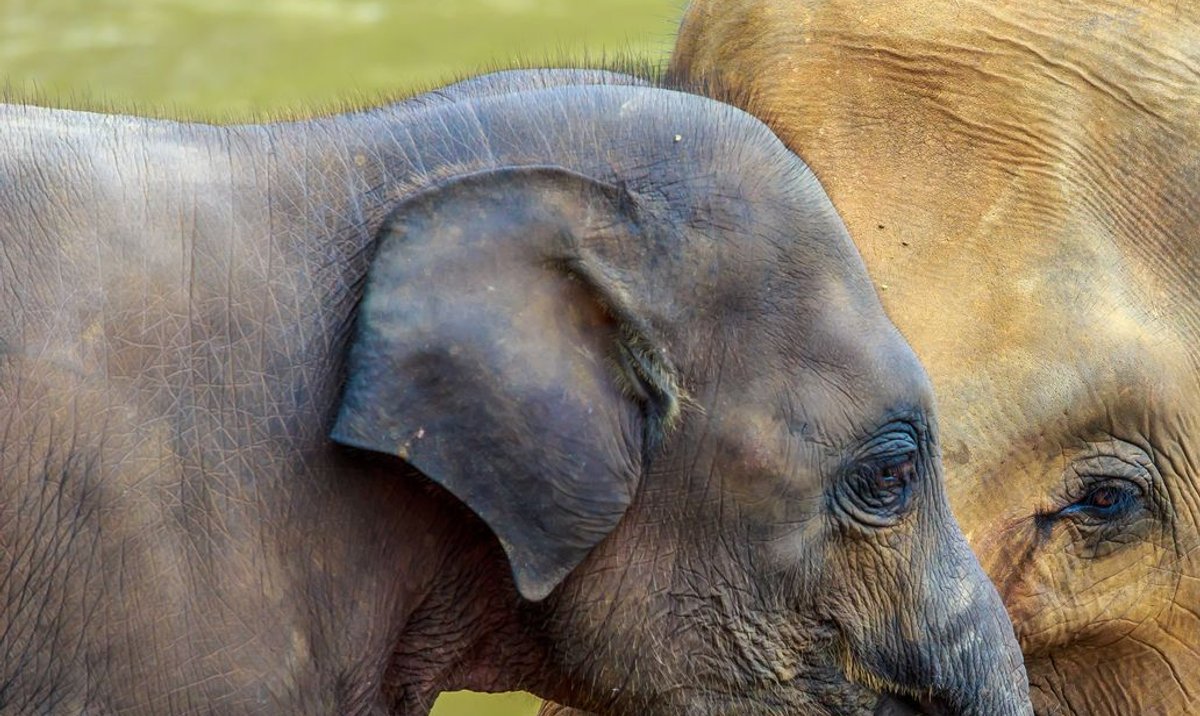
(243, 59)
(240, 60)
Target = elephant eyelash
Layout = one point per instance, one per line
(1114, 464)
(1127, 501)
(1127, 495)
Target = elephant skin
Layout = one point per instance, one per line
(1023, 180)
(331, 416)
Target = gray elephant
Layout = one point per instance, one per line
(616, 418)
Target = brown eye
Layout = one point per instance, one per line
(888, 477)
(1103, 498)
(892, 475)
(885, 483)
(876, 490)
(1106, 502)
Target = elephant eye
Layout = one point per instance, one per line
(1112, 500)
(887, 483)
(1106, 501)
(880, 489)
(1103, 499)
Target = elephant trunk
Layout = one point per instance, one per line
(963, 659)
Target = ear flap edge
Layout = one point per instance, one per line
(483, 367)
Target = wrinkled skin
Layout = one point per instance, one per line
(1023, 180)
(616, 417)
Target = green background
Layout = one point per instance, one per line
(247, 59)
(241, 60)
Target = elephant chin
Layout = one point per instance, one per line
(904, 706)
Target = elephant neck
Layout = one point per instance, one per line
(464, 630)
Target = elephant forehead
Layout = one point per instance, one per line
(925, 121)
(998, 382)
(1081, 45)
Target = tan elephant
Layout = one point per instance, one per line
(1023, 179)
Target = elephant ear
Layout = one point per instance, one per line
(503, 358)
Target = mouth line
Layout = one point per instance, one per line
(891, 704)
(858, 674)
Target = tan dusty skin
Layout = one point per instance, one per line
(1023, 179)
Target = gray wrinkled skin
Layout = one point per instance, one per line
(608, 339)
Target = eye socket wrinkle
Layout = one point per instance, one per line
(896, 437)
(1111, 488)
(887, 446)
(876, 484)
(1110, 482)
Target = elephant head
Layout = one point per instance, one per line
(1023, 180)
(616, 394)
(616, 416)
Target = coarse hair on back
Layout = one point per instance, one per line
(615, 68)
(349, 102)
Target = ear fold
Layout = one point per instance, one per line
(494, 355)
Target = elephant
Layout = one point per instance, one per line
(1023, 181)
(551, 380)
